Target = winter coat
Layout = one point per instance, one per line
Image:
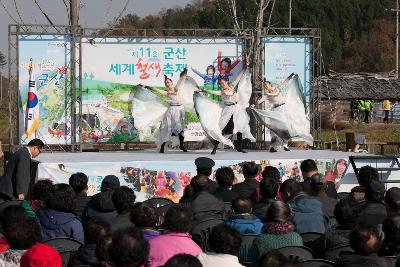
(308, 214)
(150, 233)
(11, 258)
(217, 260)
(81, 201)
(246, 188)
(60, 224)
(348, 259)
(120, 221)
(246, 224)
(85, 255)
(100, 206)
(205, 206)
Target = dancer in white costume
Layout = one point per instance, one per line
(173, 121)
(233, 116)
(274, 101)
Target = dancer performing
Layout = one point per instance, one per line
(148, 110)
(284, 113)
(233, 118)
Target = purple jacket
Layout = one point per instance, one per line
(163, 247)
(60, 224)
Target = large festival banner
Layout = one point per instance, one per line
(114, 67)
(286, 55)
(168, 179)
(50, 57)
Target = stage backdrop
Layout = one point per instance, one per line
(167, 178)
(112, 67)
(286, 55)
(50, 55)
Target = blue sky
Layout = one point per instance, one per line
(92, 12)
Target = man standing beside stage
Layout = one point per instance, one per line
(17, 175)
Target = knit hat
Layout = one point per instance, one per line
(111, 182)
(41, 255)
(317, 179)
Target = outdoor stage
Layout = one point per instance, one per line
(166, 175)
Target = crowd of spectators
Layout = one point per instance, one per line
(115, 230)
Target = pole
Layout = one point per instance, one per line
(290, 15)
(73, 24)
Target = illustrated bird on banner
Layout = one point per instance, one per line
(32, 118)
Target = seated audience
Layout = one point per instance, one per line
(243, 220)
(176, 240)
(40, 192)
(128, 247)
(365, 175)
(58, 219)
(183, 260)
(41, 255)
(102, 248)
(79, 182)
(269, 186)
(318, 188)
(346, 217)
(365, 242)
(100, 205)
(144, 216)
(123, 200)
(204, 167)
(309, 167)
(307, 211)
(94, 229)
(278, 232)
(203, 204)
(224, 243)
(21, 234)
(391, 243)
(248, 187)
(373, 211)
(225, 178)
(274, 258)
(10, 214)
(392, 201)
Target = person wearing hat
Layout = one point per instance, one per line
(101, 205)
(204, 167)
(319, 186)
(41, 255)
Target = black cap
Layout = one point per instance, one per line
(111, 182)
(204, 162)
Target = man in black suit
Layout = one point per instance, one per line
(17, 175)
(248, 187)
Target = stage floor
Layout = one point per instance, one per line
(175, 155)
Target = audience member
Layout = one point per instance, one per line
(278, 232)
(274, 258)
(365, 175)
(391, 243)
(41, 255)
(225, 243)
(128, 247)
(307, 211)
(373, 211)
(204, 167)
(346, 217)
(123, 200)
(309, 167)
(269, 186)
(79, 182)
(225, 178)
(243, 220)
(203, 204)
(248, 187)
(392, 201)
(10, 214)
(183, 260)
(144, 216)
(318, 186)
(100, 205)
(103, 247)
(21, 234)
(57, 219)
(176, 240)
(40, 192)
(94, 229)
(365, 242)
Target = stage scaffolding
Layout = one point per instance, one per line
(75, 35)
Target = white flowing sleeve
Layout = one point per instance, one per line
(209, 113)
(147, 111)
(186, 90)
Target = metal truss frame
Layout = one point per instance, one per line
(77, 34)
